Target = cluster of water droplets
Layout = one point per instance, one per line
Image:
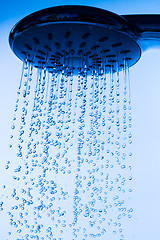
(72, 172)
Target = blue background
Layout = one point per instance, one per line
(145, 88)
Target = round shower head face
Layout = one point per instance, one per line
(75, 41)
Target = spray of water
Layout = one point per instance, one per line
(71, 134)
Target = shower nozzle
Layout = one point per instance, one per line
(69, 37)
(75, 37)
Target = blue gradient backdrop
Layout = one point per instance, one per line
(145, 88)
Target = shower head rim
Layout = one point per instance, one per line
(101, 16)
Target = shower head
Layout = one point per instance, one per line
(74, 36)
(81, 37)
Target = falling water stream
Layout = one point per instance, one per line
(72, 170)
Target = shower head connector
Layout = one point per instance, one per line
(69, 37)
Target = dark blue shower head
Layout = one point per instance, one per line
(79, 37)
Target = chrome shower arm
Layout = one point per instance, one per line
(146, 28)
